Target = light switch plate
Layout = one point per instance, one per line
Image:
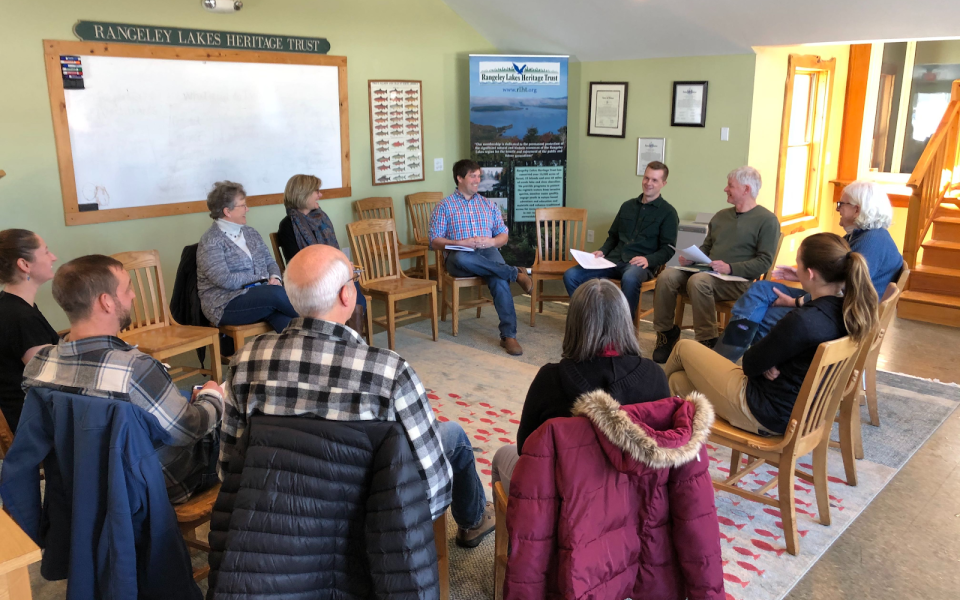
(438, 164)
(590, 235)
(724, 134)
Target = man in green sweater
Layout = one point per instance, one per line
(638, 242)
(742, 241)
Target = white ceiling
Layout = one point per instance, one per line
(627, 29)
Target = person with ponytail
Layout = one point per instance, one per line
(25, 264)
(759, 397)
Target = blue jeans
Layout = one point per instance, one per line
(488, 263)
(469, 499)
(262, 303)
(756, 304)
(631, 278)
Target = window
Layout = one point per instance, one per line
(805, 110)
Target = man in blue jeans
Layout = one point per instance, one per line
(638, 242)
(318, 367)
(468, 221)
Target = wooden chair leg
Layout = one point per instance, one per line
(540, 308)
(858, 433)
(443, 300)
(871, 395)
(788, 507)
(533, 302)
(678, 314)
(369, 312)
(433, 314)
(455, 308)
(215, 364)
(443, 556)
(820, 481)
(849, 420)
(391, 322)
(734, 462)
(500, 551)
(479, 297)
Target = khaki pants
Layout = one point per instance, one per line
(702, 289)
(694, 367)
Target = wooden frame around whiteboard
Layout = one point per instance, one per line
(52, 49)
(373, 150)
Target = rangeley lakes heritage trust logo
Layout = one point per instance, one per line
(538, 73)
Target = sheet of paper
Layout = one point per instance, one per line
(588, 261)
(460, 248)
(693, 253)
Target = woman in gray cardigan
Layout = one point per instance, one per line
(238, 280)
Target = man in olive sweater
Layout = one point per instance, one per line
(638, 242)
(742, 241)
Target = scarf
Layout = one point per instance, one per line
(312, 228)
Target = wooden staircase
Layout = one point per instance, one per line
(932, 243)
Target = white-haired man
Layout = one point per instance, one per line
(318, 366)
(742, 241)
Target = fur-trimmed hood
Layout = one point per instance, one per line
(662, 434)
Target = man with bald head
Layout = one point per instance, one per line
(318, 366)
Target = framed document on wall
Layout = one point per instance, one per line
(649, 150)
(689, 104)
(608, 109)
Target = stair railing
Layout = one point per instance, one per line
(935, 177)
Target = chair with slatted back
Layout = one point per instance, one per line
(851, 440)
(374, 246)
(870, 368)
(153, 330)
(724, 307)
(277, 254)
(419, 209)
(808, 430)
(382, 208)
(558, 231)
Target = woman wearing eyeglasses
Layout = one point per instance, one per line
(306, 224)
(865, 214)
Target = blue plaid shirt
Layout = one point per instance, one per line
(458, 218)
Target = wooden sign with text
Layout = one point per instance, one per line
(95, 31)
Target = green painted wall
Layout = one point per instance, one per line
(602, 172)
(414, 39)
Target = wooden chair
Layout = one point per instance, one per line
(192, 514)
(374, 246)
(153, 330)
(6, 436)
(851, 440)
(240, 333)
(419, 209)
(382, 208)
(724, 307)
(808, 430)
(558, 231)
(17, 553)
(646, 286)
(870, 368)
(452, 300)
(443, 555)
(501, 540)
(277, 254)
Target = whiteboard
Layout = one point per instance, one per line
(149, 132)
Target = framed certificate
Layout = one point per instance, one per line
(649, 150)
(608, 109)
(689, 104)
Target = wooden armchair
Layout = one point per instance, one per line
(192, 514)
(419, 209)
(808, 430)
(153, 329)
(374, 246)
(382, 208)
(558, 231)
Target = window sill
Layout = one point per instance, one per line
(798, 224)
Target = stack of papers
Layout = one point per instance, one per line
(588, 261)
(697, 256)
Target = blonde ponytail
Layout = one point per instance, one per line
(859, 298)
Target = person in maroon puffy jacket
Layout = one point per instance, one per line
(616, 504)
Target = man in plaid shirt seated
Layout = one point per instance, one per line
(319, 367)
(97, 295)
(465, 218)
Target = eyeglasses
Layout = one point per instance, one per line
(356, 274)
(839, 204)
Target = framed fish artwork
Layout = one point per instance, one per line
(396, 130)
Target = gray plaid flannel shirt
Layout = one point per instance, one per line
(107, 367)
(324, 369)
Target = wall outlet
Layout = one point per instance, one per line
(590, 235)
(724, 134)
(793, 244)
(438, 164)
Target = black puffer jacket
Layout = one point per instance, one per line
(322, 509)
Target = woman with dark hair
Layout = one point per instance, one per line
(25, 264)
(238, 280)
(306, 224)
(760, 395)
(600, 352)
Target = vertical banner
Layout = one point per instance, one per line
(518, 135)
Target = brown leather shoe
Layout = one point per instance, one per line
(524, 280)
(512, 346)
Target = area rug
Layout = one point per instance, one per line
(471, 381)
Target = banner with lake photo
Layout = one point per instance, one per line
(518, 134)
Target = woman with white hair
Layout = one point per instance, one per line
(865, 214)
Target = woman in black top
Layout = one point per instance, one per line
(25, 264)
(760, 396)
(306, 224)
(600, 351)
